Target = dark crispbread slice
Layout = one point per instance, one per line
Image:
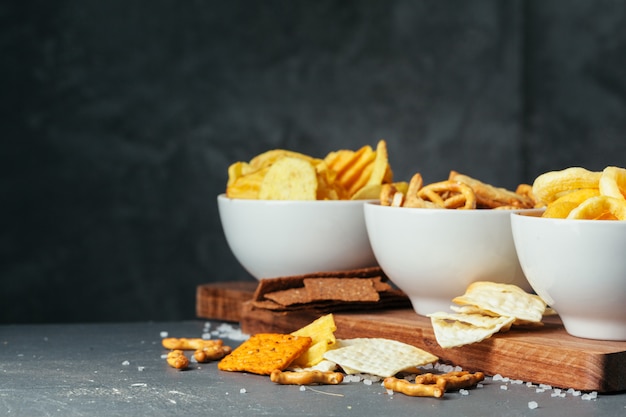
(264, 352)
(341, 289)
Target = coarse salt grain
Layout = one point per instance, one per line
(504, 387)
(125, 363)
(302, 388)
(242, 391)
(164, 334)
(463, 391)
(367, 381)
(532, 405)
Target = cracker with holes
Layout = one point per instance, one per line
(377, 356)
(264, 352)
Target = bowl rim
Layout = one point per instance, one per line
(224, 197)
(439, 210)
(557, 220)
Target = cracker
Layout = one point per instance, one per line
(264, 352)
(341, 289)
(459, 329)
(377, 356)
(503, 300)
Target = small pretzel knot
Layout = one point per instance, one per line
(449, 194)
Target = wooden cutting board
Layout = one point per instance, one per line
(546, 355)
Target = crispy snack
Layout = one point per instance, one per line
(459, 329)
(177, 359)
(306, 377)
(488, 196)
(377, 356)
(612, 182)
(413, 390)
(551, 185)
(562, 206)
(449, 194)
(184, 343)
(600, 208)
(211, 353)
(289, 178)
(264, 352)
(322, 334)
(357, 288)
(434, 385)
(507, 300)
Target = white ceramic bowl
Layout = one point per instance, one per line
(579, 268)
(273, 238)
(434, 254)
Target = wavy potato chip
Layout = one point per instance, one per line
(600, 208)
(549, 186)
(562, 206)
(613, 182)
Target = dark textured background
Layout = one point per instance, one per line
(120, 118)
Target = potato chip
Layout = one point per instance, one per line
(600, 208)
(377, 356)
(289, 178)
(459, 329)
(549, 186)
(322, 333)
(562, 206)
(504, 300)
(264, 352)
(613, 182)
(246, 186)
(269, 158)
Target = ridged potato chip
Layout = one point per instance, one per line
(562, 206)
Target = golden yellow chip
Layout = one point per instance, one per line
(264, 352)
(270, 157)
(247, 186)
(551, 185)
(600, 208)
(381, 172)
(561, 207)
(322, 334)
(289, 178)
(613, 182)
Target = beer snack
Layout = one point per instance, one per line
(377, 356)
(264, 352)
(306, 377)
(286, 175)
(486, 308)
(457, 192)
(434, 385)
(327, 292)
(577, 193)
(177, 359)
(322, 334)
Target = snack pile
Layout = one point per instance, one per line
(485, 309)
(287, 175)
(459, 191)
(577, 193)
(312, 355)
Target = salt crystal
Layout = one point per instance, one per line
(389, 392)
(545, 386)
(538, 390)
(125, 363)
(242, 391)
(517, 381)
(206, 336)
(532, 405)
(463, 391)
(367, 381)
(302, 388)
(497, 377)
(504, 387)
(479, 385)
(164, 334)
(140, 368)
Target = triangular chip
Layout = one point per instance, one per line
(459, 329)
(377, 356)
(504, 300)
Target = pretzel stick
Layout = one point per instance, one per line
(184, 343)
(177, 359)
(306, 377)
(414, 390)
(211, 353)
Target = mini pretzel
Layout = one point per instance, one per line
(306, 377)
(413, 390)
(211, 353)
(177, 359)
(183, 343)
(449, 194)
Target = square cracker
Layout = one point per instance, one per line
(264, 352)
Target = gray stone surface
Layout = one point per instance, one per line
(118, 370)
(120, 120)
